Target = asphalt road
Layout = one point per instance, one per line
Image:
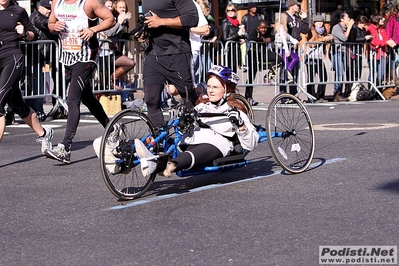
(56, 214)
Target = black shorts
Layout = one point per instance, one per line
(174, 69)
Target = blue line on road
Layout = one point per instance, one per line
(144, 201)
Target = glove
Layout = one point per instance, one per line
(235, 118)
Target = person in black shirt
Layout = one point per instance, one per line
(16, 26)
(168, 56)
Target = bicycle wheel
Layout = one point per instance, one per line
(120, 167)
(247, 105)
(290, 133)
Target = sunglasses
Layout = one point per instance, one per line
(231, 10)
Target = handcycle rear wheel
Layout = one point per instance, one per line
(128, 182)
(247, 105)
(290, 133)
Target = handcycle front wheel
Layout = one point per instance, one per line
(120, 166)
(290, 133)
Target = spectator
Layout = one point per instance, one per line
(215, 138)
(341, 25)
(379, 45)
(39, 58)
(297, 24)
(251, 19)
(355, 54)
(392, 29)
(195, 39)
(315, 53)
(11, 60)
(290, 57)
(231, 32)
(209, 53)
(122, 15)
(261, 56)
(78, 24)
(250, 22)
(123, 63)
(168, 57)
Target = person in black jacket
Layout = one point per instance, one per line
(261, 56)
(231, 32)
(45, 54)
(358, 35)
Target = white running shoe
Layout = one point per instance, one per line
(148, 161)
(46, 139)
(109, 159)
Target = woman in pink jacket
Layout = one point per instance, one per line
(392, 29)
(378, 48)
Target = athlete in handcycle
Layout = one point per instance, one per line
(214, 135)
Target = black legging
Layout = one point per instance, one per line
(203, 153)
(152, 98)
(11, 68)
(80, 90)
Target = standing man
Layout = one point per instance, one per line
(251, 19)
(297, 23)
(76, 23)
(168, 56)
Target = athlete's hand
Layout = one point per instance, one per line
(235, 118)
(20, 29)
(86, 34)
(153, 21)
(59, 26)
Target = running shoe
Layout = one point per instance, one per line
(59, 153)
(46, 139)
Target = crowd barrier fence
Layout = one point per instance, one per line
(351, 63)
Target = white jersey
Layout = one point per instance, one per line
(195, 39)
(220, 130)
(72, 48)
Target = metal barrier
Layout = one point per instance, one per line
(355, 63)
(266, 66)
(350, 63)
(104, 81)
(42, 73)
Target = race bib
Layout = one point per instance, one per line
(71, 42)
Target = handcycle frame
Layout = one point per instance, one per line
(287, 121)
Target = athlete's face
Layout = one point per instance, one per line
(214, 89)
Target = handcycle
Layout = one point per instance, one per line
(289, 132)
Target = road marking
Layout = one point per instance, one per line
(153, 199)
(354, 126)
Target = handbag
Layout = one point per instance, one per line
(365, 94)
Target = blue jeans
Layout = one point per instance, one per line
(338, 67)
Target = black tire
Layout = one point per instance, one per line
(129, 182)
(293, 146)
(247, 105)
